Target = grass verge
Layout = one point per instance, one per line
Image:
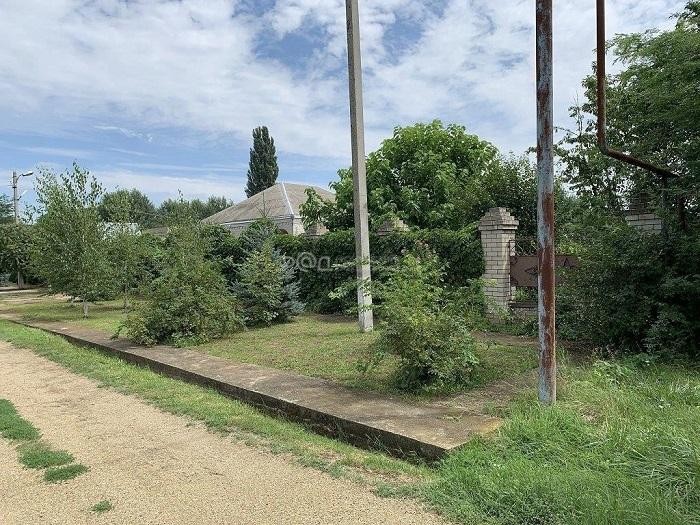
(33, 453)
(325, 346)
(620, 447)
(13, 426)
(217, 412)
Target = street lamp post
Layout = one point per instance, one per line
(15, 202)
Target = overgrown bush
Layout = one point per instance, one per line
(267, 288)
(422, 327)
(635, 291)
(189, 302)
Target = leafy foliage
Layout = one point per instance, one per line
(333, 256)
(189, 302)
(267, 288)
(652, 113)
(16, 242)
(421, 327)
(432, 177)
(140, 210)
(635, 292)
(130, 251)
(70, 248)
(5, 209)
(170, 209)
(263, 169)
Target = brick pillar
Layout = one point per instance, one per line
(644, 221)
(498, 229)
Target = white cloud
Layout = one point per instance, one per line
(58, 152)
(161, 186)
(192, 65)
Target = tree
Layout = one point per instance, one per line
(195, 208)
(431, 176)
(652, 114)
(141, 210)
(263, 169)
(6, 211)
(70, 249)
(190, 301)
(267, 288)
(128, 249)
(204, 209)
(15, 247)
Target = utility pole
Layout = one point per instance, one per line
(15, 202)
(359, 169)
(15, 195)
(545, 204)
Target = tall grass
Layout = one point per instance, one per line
(621, 447)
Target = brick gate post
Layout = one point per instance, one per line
(498, 229)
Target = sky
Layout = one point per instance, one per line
(162, 95)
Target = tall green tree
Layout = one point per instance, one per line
(653, 113)
(6, 214)
(70, 248)
(433, 176)
(129, 250)
(140, 211)
(263, 169)
(15, 248)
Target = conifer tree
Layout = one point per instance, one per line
(263, 169)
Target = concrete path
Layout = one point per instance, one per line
(159, 468)
(426, 428)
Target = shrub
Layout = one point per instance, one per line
(635, 292)
(266, 288)
(189, 302)
(422, 328)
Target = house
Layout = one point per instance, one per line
(279, 203)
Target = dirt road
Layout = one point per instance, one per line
(159, 468)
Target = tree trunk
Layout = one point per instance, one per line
(85, 308)
(126, 299)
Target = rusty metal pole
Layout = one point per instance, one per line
(359, 169)
(545, 204)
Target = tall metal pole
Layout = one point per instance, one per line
(15, 195)
(359, 170)
(545, 204)
(15, 203)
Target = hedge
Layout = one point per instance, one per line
(334, 253)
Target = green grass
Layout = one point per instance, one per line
(325, 346)
(216, 411)
(13, 426)
(40, 455)
(57, 474)
(103, 506)
(102, 316)
(620, 447)
(331, 347)
(33, 453)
